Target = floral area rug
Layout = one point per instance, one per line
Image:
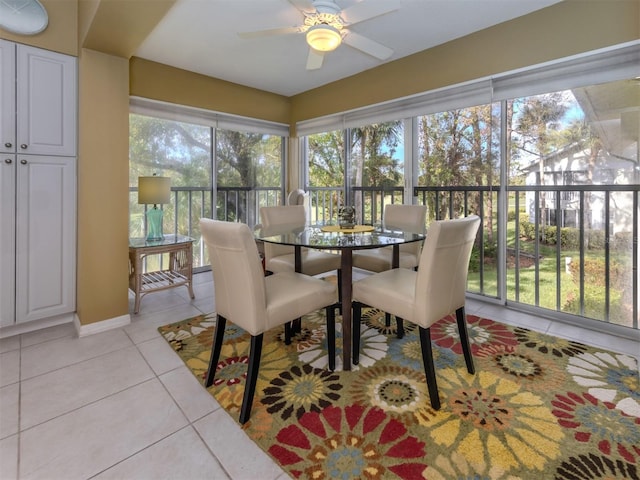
(538, 407)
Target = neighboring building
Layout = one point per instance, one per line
(570, 166)
(606, 156)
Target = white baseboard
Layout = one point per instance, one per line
(102, 326)
(20, 328)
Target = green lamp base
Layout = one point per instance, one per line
(154, 224)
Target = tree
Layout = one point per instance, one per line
(372, 162)
(165, 147)
(246, 160)
(538, 117)
(457, 149)
(326, 159)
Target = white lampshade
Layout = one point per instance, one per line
(323, 38)
(154, 190)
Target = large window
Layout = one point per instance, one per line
(458, 168)
(574, 157)
(372, 157)
(238, 168)
(325, 173)
(249, 170)
(182, 152)
(548, 157)
(376, 168)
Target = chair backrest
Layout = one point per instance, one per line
(270, 217)
(411, 218)
(296, 197)
(300, 197)
(238, 278)
(290, 215)
(441, 282)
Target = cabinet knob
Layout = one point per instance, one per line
(23, 146)
(8, 144)
(7, 160)
(23, 161)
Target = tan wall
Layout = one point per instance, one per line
(103, 187)
(60, 35)
(564, 29)
(118, 27)
(186, 88)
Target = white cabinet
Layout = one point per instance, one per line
(7, 239)
(44, 233)
(37, 183)
(38, 103)
(7, 96)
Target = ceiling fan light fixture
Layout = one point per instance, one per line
(323, 38)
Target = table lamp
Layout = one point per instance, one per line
(154, 190)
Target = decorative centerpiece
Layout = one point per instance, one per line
(347, 217)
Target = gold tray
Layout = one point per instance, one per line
(354, 229)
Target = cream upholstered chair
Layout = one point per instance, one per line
(254, 302)
(300, 197)
(281, 258)
(404, 217)
(437, 289)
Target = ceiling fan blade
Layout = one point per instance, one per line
(269, 32)
(367, 46)
(303, 5)
(366, 10)
(314, 60)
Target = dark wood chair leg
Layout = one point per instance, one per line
(461, 319)
(218, 336)
(429, 369)
(331, 336)
(287, 333)
(252, 376)
(339, 273)
(355, 332)
(399, 327)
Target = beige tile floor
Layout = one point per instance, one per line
(122, 405)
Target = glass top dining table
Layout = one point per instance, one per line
(344, 240)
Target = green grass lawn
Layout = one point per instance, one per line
(569, 283)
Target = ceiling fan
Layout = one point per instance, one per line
(326, 27)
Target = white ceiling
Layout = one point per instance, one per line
(202, 36)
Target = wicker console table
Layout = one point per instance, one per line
(178, 272)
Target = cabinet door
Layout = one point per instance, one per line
(46, 102)
(7, 239)
(7, 96)
(45, 236)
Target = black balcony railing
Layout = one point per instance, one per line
(578, 257)
(591, 244)
(189, 204)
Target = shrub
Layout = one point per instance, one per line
(549, 235)
(594, 239)
(474, 261)
(622, 241)
(593, 271)
(511, 215)
(527, 229)
(570, 238)
(490, 248)
(490, 251)
(619, 273)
